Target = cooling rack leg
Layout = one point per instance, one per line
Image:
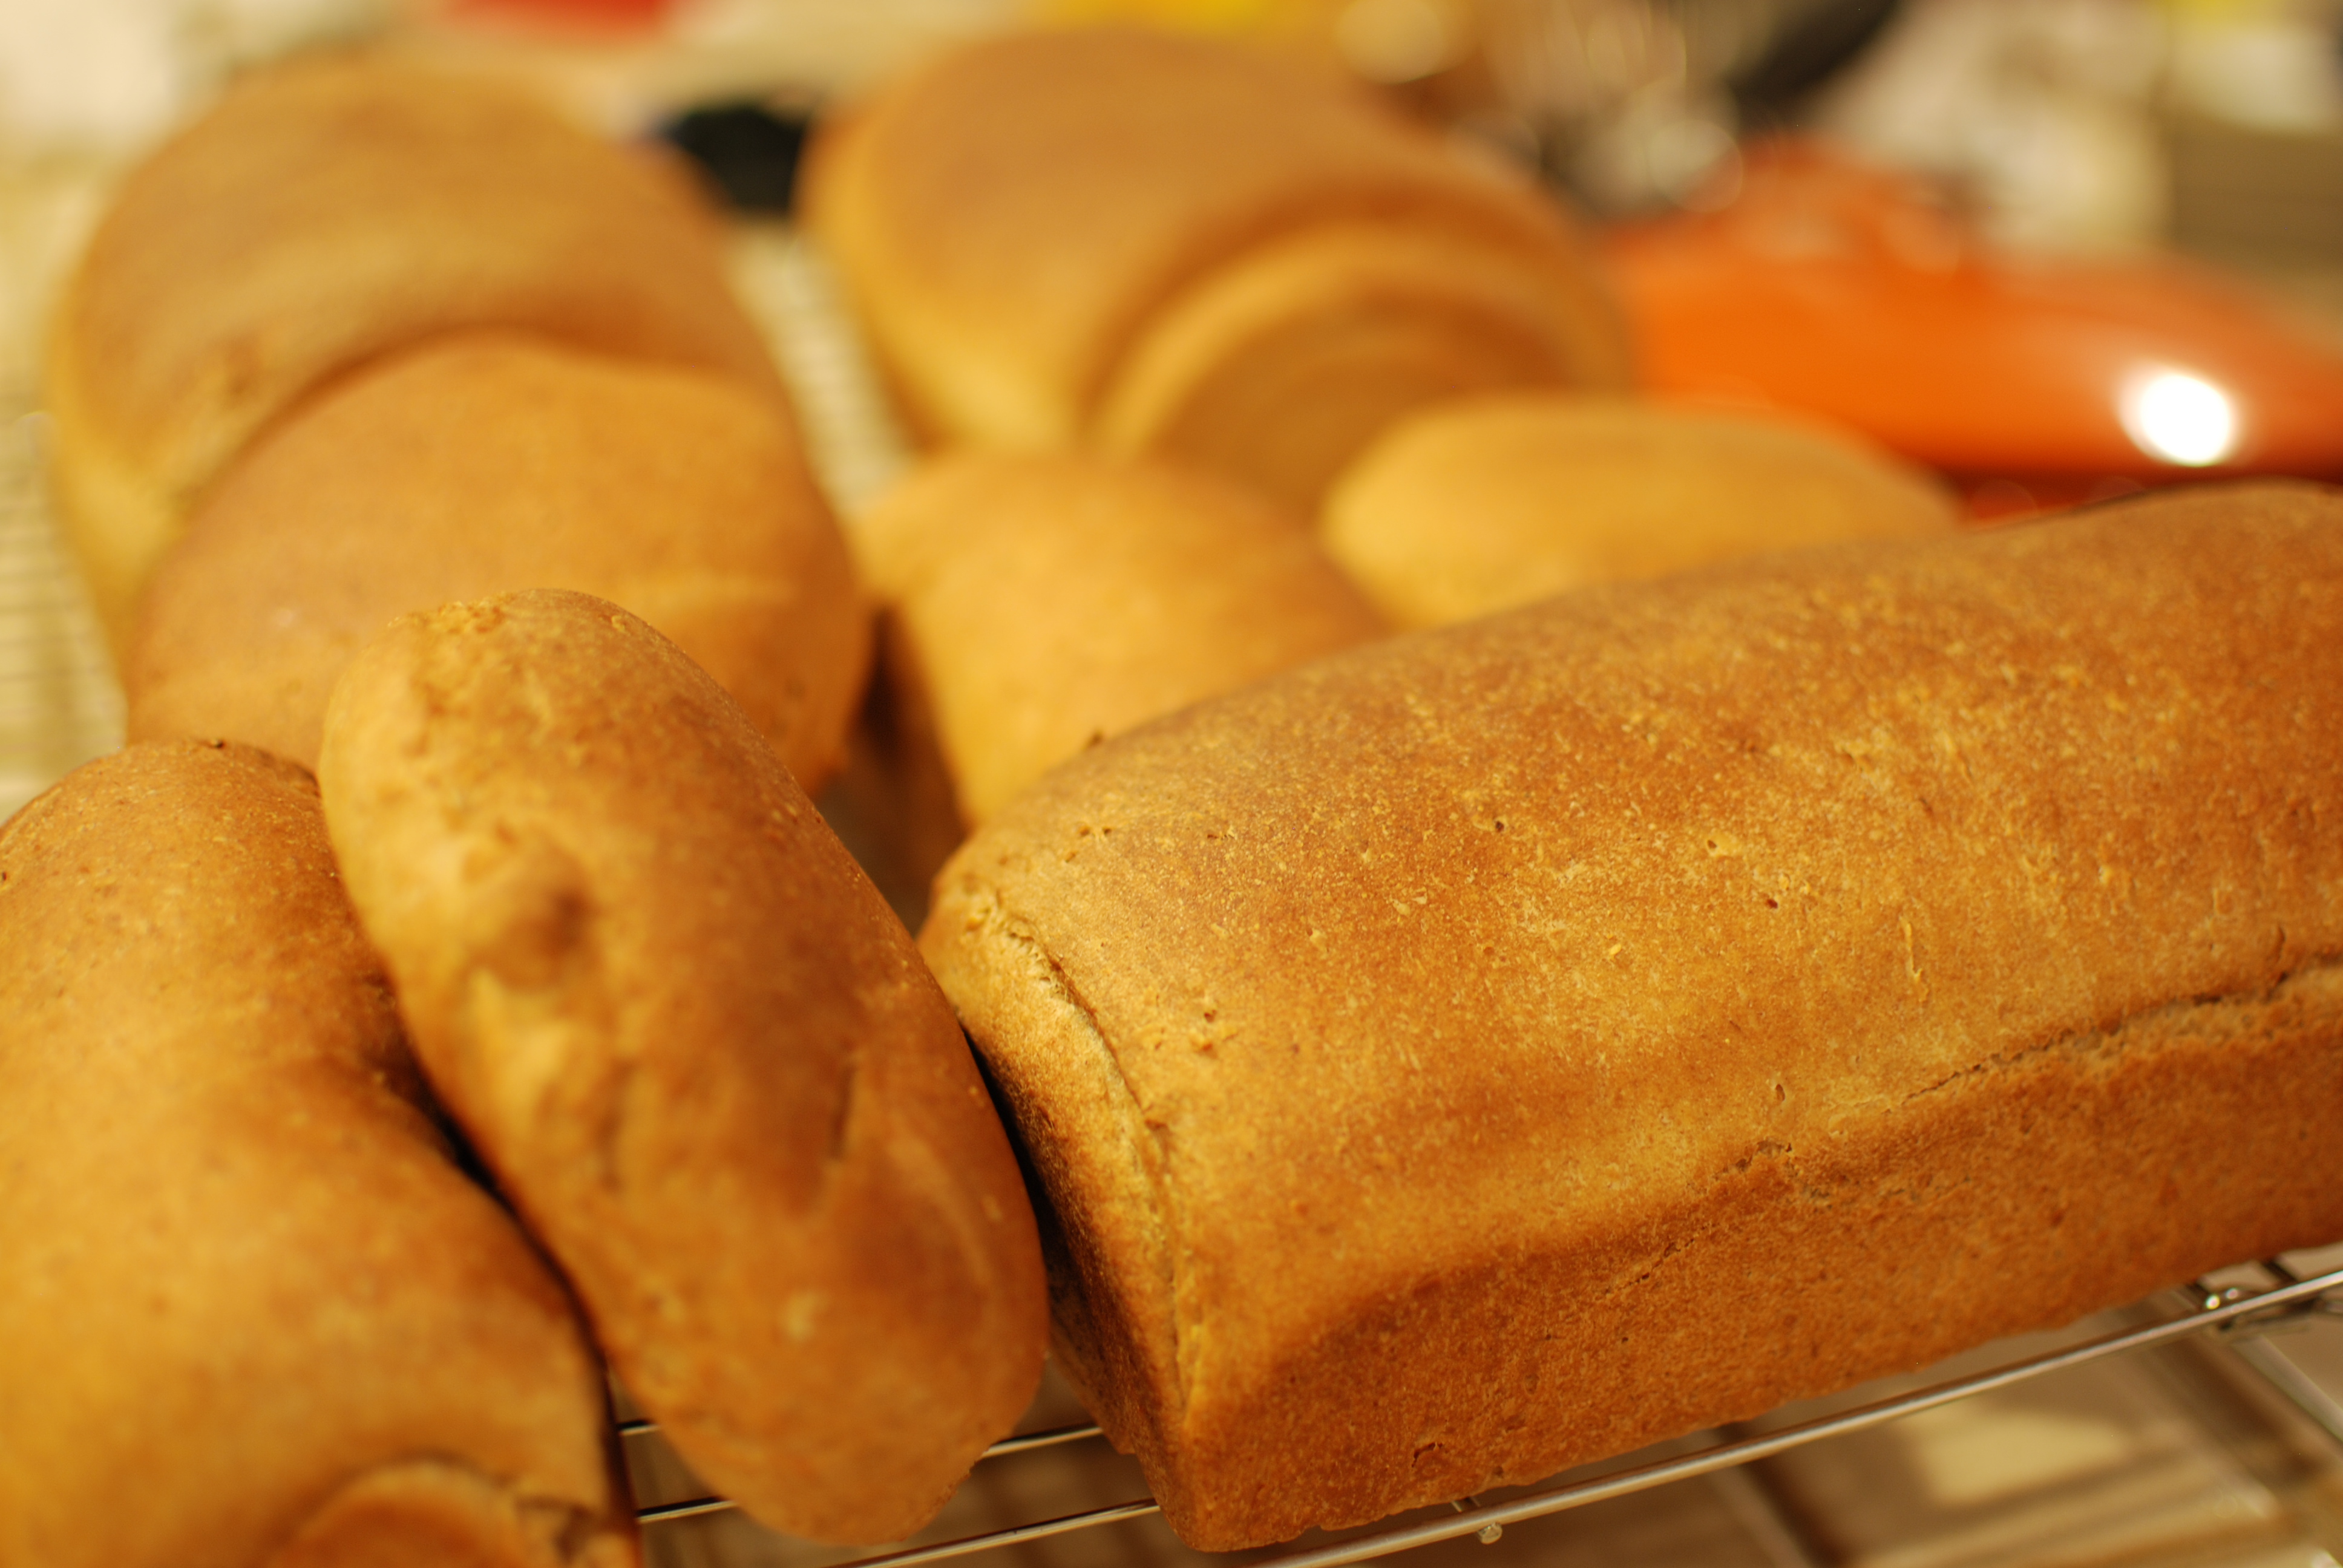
(1751, 1502)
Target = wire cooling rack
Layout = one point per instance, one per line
(59, 705)
(2281, 1298)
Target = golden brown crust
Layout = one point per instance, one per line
(327, 212)
(1872, 939)
(1279, 366)
(1044, 602)
(488, 461)
(247, 1284)
(1011, 219)
(697, 1050)
(1492, 502)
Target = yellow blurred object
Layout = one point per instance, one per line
(1389, 42)
(1200, 15)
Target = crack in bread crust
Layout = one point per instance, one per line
(2321, 977)
(441, 1508)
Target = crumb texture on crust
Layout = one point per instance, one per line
(697, 1050)
(227, 1191)
(1872, 939)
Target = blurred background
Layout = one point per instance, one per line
(2055, 249)
(2067, 125)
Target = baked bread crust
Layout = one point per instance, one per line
(1511, 1044)
(252, 1302)
(698, 1051)
(1012, 218)
(485, 461)
(323, 213)
(1278, 366)
(1491, 502)
(1039, 603)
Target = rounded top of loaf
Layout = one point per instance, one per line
(1486, 503)
(538, 788)
(330, 209)
(485, 461)
(1056, 599)
(121, 879)
(1010, 215)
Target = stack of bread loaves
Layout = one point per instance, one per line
(1411, 1040)
(366, 340)
(1415, 1049)
(1184, 256)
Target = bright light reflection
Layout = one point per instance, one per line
(2180, 418)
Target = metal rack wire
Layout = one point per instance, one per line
(59, 704)
(2208, 1308)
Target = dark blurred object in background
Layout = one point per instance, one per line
(748, 149)
(1810, 43)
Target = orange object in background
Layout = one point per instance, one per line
(1848, 291)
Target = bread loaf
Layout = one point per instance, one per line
(254, 1314)
(1037, 604)
(485, 461)
(1491, 502)
(697, 1050)
(1170, 245)
(1508, 1045)
(327, 212)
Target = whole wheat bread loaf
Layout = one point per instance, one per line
(327, 211)
(1511, 1044)
(698, 1051)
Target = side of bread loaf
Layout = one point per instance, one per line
(697, 1050)
(1012, 219)
(254, 1312)
(1486, 503)
(325, 212)
(480, 462)
(1508, 1045)
(1041, 603)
